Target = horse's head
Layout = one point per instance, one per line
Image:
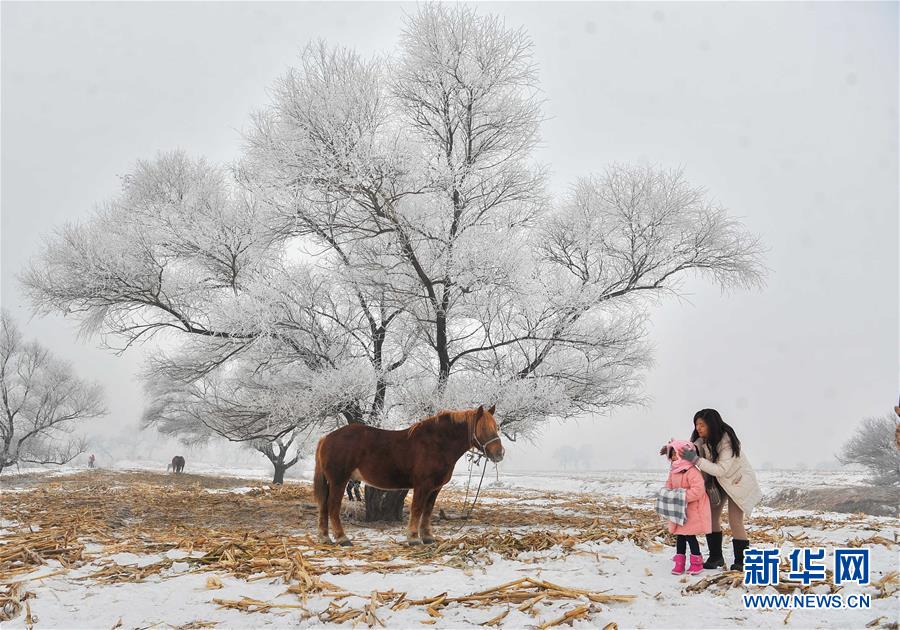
(486, 435)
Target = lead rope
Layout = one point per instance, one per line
(471, 458)
(478, 491)
(474, 459)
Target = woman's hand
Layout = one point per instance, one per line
(689, 454)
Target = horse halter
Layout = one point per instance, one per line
(481, 446)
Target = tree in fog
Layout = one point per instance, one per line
(184, 255)
(566, 456)
(42, 402)
(418, 175)
(275, 410)
(586, 456)
(388, 220)
(873, 446)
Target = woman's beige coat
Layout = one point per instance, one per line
(734, 474)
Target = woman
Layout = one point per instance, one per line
(730, 476)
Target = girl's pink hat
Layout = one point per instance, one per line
(680, 465)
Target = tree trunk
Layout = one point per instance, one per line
(380, 383)
(277, 459)
(278, 478)
(441, 347)
(384, 505)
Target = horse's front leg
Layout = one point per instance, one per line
(415, 515)
(425, 524)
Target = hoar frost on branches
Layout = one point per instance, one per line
(874, 446)
(388, 220)
(422, 183)
(183, 249)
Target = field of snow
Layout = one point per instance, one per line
(586, 535)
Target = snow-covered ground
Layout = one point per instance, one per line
(637, 483)
(178, 595)
(644, 483)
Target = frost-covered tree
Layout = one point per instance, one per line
(180, 248)
(566, 456)
(42, 402)
(416, 174)
(388, 219)
(186, 255)
(586, 455)
(873, 446)
(276, 410)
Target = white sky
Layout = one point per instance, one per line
(787, 113)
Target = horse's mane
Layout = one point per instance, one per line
(455, 416)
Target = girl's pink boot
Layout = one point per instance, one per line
(696, 565)
(679, 559)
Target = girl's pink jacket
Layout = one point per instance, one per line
(699, 519)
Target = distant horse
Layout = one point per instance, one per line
(353, 487)
(420, 457)
(177, 464)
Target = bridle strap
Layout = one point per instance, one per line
(481, 446)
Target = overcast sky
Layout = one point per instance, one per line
(786, 113)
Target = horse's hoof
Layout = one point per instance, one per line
(413, 542)
(324, 539)
(343, 541)
(427, 540)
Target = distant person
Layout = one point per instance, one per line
(692, 507)
(91, 461)
(729, 476)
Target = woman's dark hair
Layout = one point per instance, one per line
(717, 428)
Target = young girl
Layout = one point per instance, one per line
(683, 474)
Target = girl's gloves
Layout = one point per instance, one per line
(690, 455)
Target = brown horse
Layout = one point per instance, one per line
(420, 457)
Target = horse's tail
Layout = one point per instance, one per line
(320, 482)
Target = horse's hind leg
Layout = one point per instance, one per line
(425, 523)
(321, 491)
(334, 510)
(323, 522)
